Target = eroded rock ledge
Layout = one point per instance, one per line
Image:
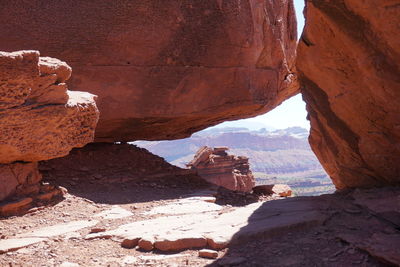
(349, 62)
(164, 69)
(39, 119)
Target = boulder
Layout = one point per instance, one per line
(39, 120)
(177, 242)
(146, 243)
(217, 167)
(164, 69)
(349, 63)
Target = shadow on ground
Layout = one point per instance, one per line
(343, 229)
(123, 174)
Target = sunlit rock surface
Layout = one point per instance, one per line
(39, 119)
(215, 166)
(164, 69)
(349, 62)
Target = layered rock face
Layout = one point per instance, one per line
(164, 69)
(349, 61)
(217, 167)
(39, 118)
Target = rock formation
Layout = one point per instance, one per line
(282, 190)
(349, 63)
(217, 167)
(39, 118)
(164, 69)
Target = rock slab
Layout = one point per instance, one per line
(164, 69)
(217, 230)
(349, 63)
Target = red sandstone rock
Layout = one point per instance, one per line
(217, 167)
(39, 118)
(349, 61)
(146, 243)
(129, 243)
(180, 242)
(208, 253)
(16, 207)
(164, 69)
(19, 179)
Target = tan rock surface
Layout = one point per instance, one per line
(163, 70)
(349, 61)
(215, 229)
(217, 167)
(59, 229)
(39, 118)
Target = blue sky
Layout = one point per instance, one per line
(290, 113)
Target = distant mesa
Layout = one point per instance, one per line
(216, 166)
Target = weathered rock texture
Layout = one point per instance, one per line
(19, 179)
(164, 69)
(217, 167)
(39, 118)
(349, 61)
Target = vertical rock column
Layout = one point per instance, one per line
(39, 120)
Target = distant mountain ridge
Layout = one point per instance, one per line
(282, 155)
(267, 150)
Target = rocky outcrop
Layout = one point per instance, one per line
(349, 62)
(281, 190)
(217, 167)
(163, 70)
(39, 118)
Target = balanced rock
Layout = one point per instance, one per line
(349, 62)
(217, 167)
(164, 69)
